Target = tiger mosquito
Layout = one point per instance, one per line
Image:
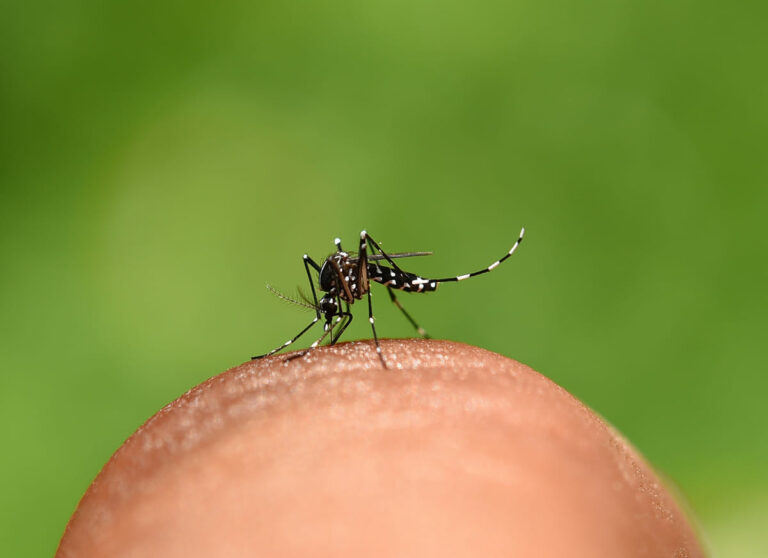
(345, 278)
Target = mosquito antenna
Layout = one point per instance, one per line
(281, 296)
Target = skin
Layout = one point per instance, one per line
(453, 451)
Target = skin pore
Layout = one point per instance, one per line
(452, 451)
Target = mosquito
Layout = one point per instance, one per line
(346, 277)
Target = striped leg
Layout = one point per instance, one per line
(476, 273)
(376, 248)
(416, 326)
(373, 328)
(310, 262)
(284, 345)
(348, 316)
(363, 275)
(362, 265)
(339, 317)
(327, 329)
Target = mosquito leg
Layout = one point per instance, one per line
(326, 330)
(284, 345)
(416, 326)
(329, 328)
(339, 317)
(373, 327)
(362, 265)
(310, 262)
(343, 327)
(347, 315)
(402, 279)
(375, 247)
(491, 267)
(337, 242)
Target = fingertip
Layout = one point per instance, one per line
(453, 449)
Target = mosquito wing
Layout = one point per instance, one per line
(379, 257)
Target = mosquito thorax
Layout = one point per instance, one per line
(327, 274)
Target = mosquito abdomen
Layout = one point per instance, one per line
(400, 280)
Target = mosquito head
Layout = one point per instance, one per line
(328, 307)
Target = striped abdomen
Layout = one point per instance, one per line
(401, 280)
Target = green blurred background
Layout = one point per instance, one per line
(159, 163)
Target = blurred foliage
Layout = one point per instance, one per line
(160, 162)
